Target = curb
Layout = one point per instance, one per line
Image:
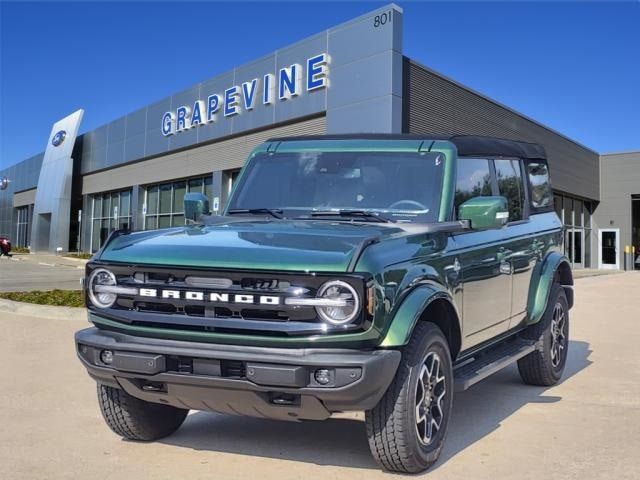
(79, 260)
(43, 311)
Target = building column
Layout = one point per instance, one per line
(138, 208)
(85, 228)
(217, 193)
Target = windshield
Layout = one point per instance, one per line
(400, 186)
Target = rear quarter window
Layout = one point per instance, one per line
(540, 184)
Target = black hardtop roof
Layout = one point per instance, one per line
(467, 145)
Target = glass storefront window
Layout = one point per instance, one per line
(208, 187)
(587, 214)
(22, 226)
(152, 200)
(577, 213)
(568, 211)
(106, 205)
(125, 203)
(179, 189)
(165, 198)
(557, 203)
(164, 221)
(97, 206)
(165, 201)
(195, 185)
(111, 211)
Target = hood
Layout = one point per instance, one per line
(308, 245)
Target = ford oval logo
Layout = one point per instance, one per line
(58, 138)
(4, 183)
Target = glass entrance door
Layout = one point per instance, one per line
(574, 246)
(608, 247)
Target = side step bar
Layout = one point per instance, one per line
(488, 363)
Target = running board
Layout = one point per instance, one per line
(488, 363)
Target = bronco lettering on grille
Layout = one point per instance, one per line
(211, 297)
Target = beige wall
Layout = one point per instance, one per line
(222, 155)
(27, 197)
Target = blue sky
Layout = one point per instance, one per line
(572, 66)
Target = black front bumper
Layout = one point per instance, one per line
(255, 381)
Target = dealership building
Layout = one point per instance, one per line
(353, 78)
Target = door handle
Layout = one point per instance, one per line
(503, 253)
(506, 268)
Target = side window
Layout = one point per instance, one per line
(511, 187)
(541, 193)
(473, 180)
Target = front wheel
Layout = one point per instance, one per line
(407, 429)
(135, 419)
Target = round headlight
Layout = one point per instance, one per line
(343, 303)
(98, 278)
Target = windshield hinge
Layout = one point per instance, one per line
(273, 147)
(426, 146)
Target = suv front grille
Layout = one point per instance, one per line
(225, 301)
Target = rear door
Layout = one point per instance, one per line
(521, 241)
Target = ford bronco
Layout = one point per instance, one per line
(375, 273)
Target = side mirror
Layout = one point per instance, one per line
(485, 212)
(195, 206)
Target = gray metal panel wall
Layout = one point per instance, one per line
(435, 105)
(22, 176)
(365, 94)
(222, 155)
(26, 197)
(619, 180)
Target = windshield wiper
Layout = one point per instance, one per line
(274, 212)
(376, 217)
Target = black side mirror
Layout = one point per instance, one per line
(195, 206)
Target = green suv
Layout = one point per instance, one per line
(375, 273)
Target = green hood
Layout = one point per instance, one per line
(313, 245)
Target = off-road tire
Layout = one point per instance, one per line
(537, 368)
(135, 419)
(391, 425)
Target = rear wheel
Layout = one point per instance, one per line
(135, 419)
(545, 365)
(407, 429)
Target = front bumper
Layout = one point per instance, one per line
(255, 381)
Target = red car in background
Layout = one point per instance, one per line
(5, 246)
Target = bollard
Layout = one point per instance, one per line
(626, 257)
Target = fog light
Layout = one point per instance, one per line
(322, 376)
(106, 356)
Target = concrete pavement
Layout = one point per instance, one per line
(587, 427)
(40, 272)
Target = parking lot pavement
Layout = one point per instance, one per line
(587, 427)
(40, 272)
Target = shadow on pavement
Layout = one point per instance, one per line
(342, 442)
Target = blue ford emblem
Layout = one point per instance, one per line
(58, 138)
(4, 183)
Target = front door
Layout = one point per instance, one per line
(608, 248)
(486, 278)
(574, 245)
(483, 260)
